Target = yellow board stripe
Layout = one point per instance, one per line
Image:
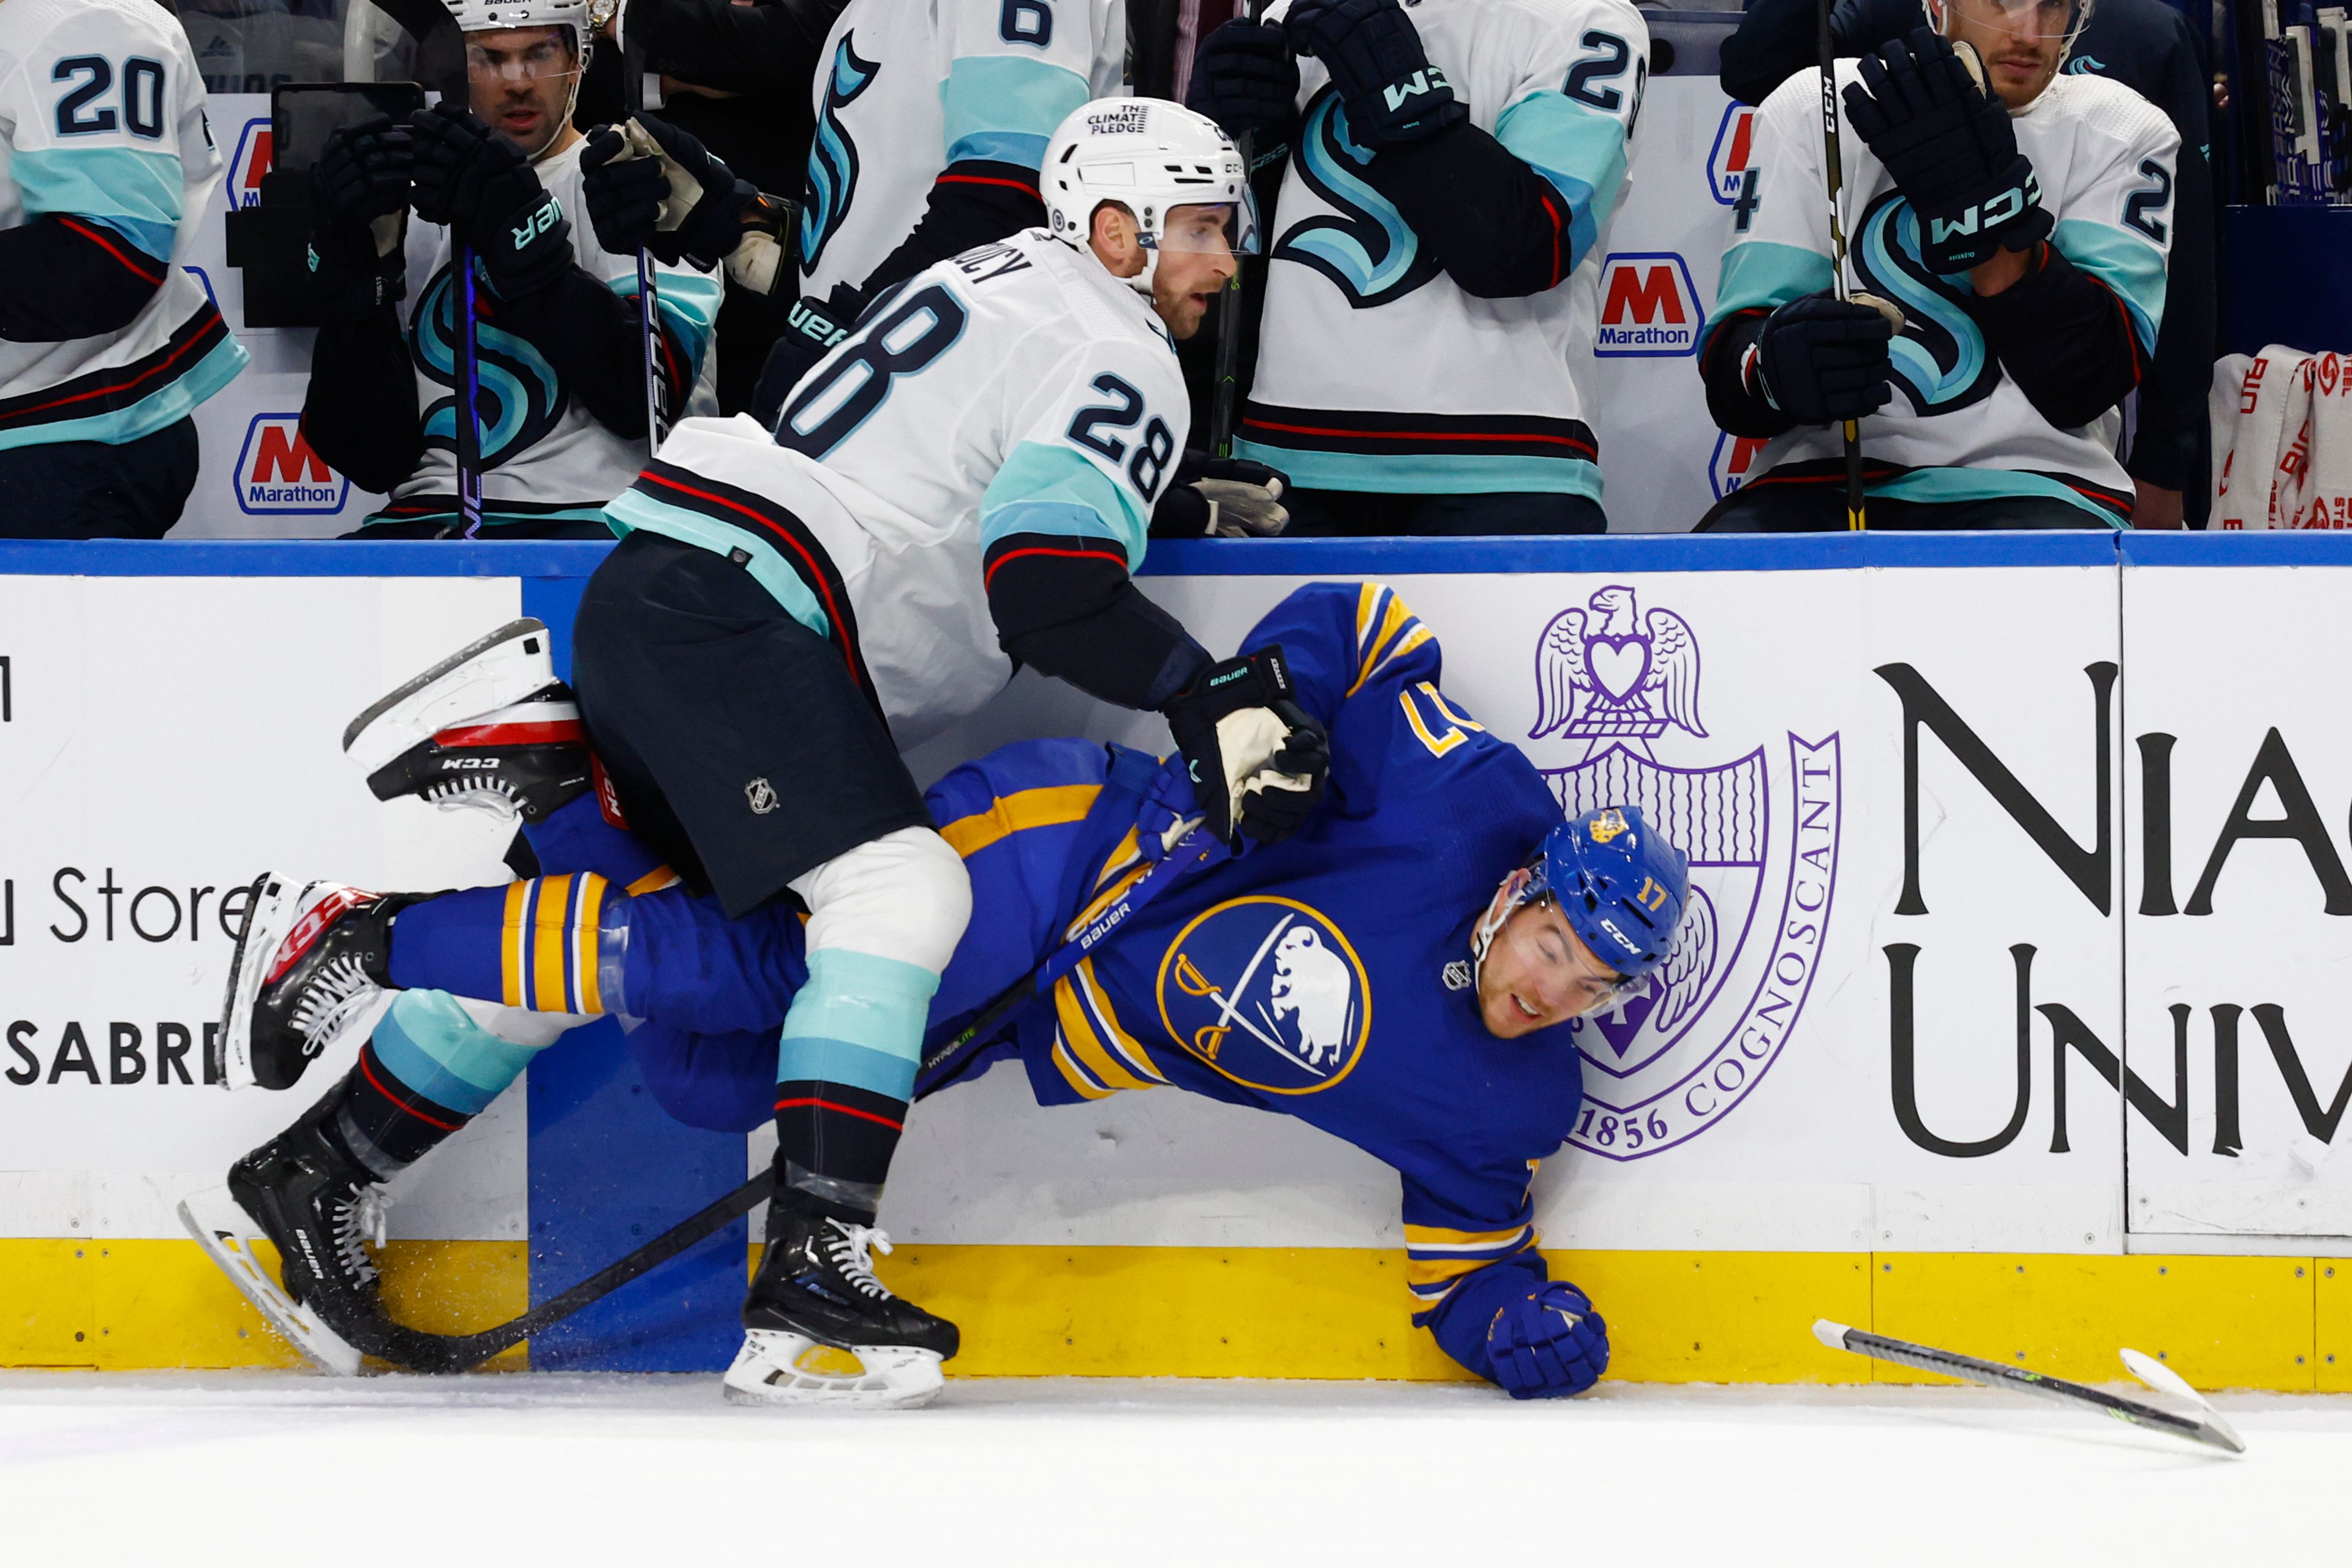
(655, 880)
(547, 951)
(1079, 1034)
(1053, 807)
(592, 916)
(510, 944)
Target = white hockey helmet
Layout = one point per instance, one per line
(1150, 156)
(581, 18)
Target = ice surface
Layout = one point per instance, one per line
(277, 1468)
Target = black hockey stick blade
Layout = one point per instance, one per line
(2206, 1426)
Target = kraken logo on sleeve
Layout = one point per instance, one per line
(1269, 993)
(833, 156)
(520, 400)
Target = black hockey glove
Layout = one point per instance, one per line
(1220, 498)
(1245, 80)
(1820, 361)
(690, 209)
(1952, 150)
(482, 185)
(1376, 60)
(1258, 762)
(359, 217)
(811, 329)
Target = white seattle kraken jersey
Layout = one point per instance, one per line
(1016, 389)
(1960, 428)
(1375, 371)
(102, 120)
(543, 453)
(906, 87)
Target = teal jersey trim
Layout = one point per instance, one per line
(1763, 274)
(435, 1048)
(158, 410)
(1579, 150)
(2130, 266)
(632, 509)
(137, 195)
(689, 304)
(1004, 109)
(1984, 484)
(1051, 489)
(860, 1014)
(1430, 474)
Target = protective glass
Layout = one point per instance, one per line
(547, 60)
(2032, 19)
(1209, 227)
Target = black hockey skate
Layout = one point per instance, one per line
(819, 1329)
(318, 1206)
(307, 970)
(490, 728)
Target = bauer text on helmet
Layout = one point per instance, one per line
(1596, 908)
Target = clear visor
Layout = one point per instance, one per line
(1211, 228)
(2030, 20)
(504, 58)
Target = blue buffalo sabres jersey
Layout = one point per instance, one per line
(1325, 977)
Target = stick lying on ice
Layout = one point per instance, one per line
(2206, 1426)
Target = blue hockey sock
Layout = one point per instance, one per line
(578, 836)
(530, 944)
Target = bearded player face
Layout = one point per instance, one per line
(2020, 41)
(520, 80)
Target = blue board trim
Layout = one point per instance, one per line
(2281, 547)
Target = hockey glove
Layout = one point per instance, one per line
(1375, 57)
(1548, 1343)
(693, 212)
(811, 330)
(1220, 498)
(1820, 359)
(359, 216)
(1258, 760)
(483, 187)
(1951, 151)
(1245, 80)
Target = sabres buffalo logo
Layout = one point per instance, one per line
(1269, 993)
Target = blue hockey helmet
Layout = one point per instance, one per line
(1618, 883)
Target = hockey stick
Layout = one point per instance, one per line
(1229, 318)
(633, 88)
(469, 388)
(2208, 1428)
(442, 1353)
(1833, 168)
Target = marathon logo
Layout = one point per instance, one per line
(277, 474)
(1734, 462)
(1649, 309)
(1727, 160)
(243, 186)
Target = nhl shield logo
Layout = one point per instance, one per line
(1268, 993)
(760, 795)
(1616, 685)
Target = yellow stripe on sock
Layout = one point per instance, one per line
(510, 944)
(546, 954)
(591, 914)
(653, 881)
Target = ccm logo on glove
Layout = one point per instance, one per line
(1428, 79)
(1988, 215)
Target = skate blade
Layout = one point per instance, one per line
(227, 1233)
(775, 1367)
(244, 962)
(493, 672)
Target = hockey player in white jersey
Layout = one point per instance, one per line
(963, 484)
(1429, 307)
(106, 344)
(2018, 229)
(931, 120)
(558, 330)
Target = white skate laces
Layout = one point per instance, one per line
(332, 998)
(360, 1221)
(851, 1250)
(475, 792)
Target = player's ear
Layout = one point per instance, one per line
(1113, 236)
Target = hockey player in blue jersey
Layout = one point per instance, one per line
(1376, 975)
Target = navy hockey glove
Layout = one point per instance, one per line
(1220, 498)
(625, 193)
(1245, 80)
(359, 210)
(1548, 1343)
(479, 184)
(1258, 762)
(658, 189)
(1376, 60)
(1951, 151)
(1820, 361)
(811, 329)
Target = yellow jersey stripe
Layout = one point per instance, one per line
(1121, 858)
(591, 915)
(1422, 1237)
(1079, 1034)
(1367, 603)
(547, 949)
(1435, 1271)
(1397, 617)
(1054, 805)
(655, 880)
(1105, 898)
(1413, 639)
(1128, 1049)
(512, 940)
(1087, 1087)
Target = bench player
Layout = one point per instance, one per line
(2020, 230)
(1387, 974)
(962, 484)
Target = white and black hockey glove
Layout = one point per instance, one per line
(1258, 762)
(1222, 498)
(651, 187)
